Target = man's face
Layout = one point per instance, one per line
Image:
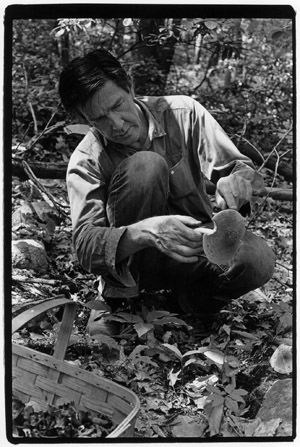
(113, 112)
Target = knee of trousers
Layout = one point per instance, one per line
(146, 170)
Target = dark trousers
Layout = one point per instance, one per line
(139, 189)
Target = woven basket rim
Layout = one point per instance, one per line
(76, 371)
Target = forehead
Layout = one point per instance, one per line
(104, 99)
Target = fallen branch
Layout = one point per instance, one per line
(47, 196)
(279, 194)
(41, 170)
(275, 193)
(48, 282)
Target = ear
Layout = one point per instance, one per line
(79, 117)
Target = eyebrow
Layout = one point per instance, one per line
(92, 118)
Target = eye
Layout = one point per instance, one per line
(118, 105)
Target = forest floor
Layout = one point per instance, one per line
(190, 384)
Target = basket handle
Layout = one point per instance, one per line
(66, 325)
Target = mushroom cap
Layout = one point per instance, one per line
(221, 246)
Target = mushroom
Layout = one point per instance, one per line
(222, 244)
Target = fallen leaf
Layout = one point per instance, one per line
(109, 341)
(96, 305)
(137, 351)
(173, 377)
(257, 295)
(200, 402)
(245, 334)
(173, 349)
(142, 328)
(129, 318)
(215, 419)
(267, 428)
(215, 356)
(187, 427)
(34, 405)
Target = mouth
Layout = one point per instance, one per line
(122, 135)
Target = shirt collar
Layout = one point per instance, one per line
(155, 130)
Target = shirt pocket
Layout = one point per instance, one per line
(181, 180)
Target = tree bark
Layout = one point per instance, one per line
(40, 169)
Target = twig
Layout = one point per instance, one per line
(29, 103)
(250, 144)
(49, 282)
(281, 282)
(35, 126)
(45, 194)
(45, 131)
(260, 208)
(287, 267)
(275, 148)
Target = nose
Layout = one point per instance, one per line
(116, 121)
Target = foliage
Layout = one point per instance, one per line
(34, 76)
(240, 69)
(62, 420)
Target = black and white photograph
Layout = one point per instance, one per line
(149, 221)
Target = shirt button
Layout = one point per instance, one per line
(172, 172)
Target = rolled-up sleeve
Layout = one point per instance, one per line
(95, 242)
(218, 156)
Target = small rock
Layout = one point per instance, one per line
(282, 359)
(29, 254)
(278, 403)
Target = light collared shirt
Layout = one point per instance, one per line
(195, 147)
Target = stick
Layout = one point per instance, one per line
(49, 282)
(46, 195)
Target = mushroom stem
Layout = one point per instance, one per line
(205, 230)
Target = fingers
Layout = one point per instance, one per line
(221, 203)
(184, 229)
(175, 239)
(181, 253)
(186, 260)
(234, 190)
(188, 220)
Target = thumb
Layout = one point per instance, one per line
(220, 201)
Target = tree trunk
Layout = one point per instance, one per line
(151, 49)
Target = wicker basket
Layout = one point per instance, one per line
(44, 379)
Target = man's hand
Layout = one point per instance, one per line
(174, 236)
(233, 192)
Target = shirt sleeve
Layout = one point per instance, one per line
(95, 242)
(218, 156)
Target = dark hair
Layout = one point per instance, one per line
(83, 76)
